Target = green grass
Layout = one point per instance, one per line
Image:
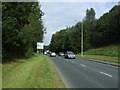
(108, 53)
(0, 76)
(111, 50)
(36, 72)
(102, 58)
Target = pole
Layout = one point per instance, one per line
(82, 39)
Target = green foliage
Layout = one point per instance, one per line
(29, 53)
(106, 31)
(22, 28)
(67, 39)
(96, 32)
(88, 26)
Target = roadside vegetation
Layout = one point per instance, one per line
(100, 36)
(97, 33)
(0, 76)
(35, 72)
(22, 28)
(108, 53)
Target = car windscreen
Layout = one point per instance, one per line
(70, 53)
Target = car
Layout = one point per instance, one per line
(52, 54)
(69, 54)
(61, 54)
(45, 53)
(49, 52)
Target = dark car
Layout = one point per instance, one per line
(61, 54)
(69, 54)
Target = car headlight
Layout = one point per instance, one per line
(68, 55)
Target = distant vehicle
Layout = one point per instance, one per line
(69, 54)
(61, 54)
(45, 53)
(52, 54)
(49, 52)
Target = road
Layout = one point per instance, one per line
(79, 73)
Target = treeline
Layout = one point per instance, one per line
(97, 32)
(22, 28)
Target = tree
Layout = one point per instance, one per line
(97, 32)
(89, 23)
(22, 28)
(107, 28)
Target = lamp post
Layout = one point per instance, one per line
(82, 39)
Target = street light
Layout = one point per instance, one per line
(82, 39)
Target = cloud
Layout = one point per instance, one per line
(76, 0)
(59, 15)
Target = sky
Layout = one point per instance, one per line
(59, 15)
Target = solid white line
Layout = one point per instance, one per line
(106, 74)
(83, 65)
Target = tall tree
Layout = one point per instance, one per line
(107, 28)
(22, 27)
(88, 25)
(97, 33)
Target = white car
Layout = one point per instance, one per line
(53, 54)
(45, 53)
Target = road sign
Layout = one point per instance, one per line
(39, 45)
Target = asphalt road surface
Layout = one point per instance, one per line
(79, 73)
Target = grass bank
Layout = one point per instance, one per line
(36, 72)
(0, 75)
(108, 53)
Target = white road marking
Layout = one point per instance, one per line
(106, 74)
(83, 65)
(72, 61)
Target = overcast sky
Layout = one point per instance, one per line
(59, 15)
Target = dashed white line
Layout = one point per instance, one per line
(106, 74)
(83, 65)
(72, 61)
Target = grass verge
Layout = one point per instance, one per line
(102, 58)
(108, 53)
(36, 72)
(0, 76)
(111, 50)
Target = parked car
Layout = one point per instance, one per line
(52, 54)
(69, 54)
(61, 54)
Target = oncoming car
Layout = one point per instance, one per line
(45, 53)
(52, 54)
(69, 54)
(61, 54)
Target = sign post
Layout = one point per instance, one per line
(39, 46)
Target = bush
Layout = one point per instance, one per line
(29, 53)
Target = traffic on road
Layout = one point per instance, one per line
(67, 54)
(79, 73)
